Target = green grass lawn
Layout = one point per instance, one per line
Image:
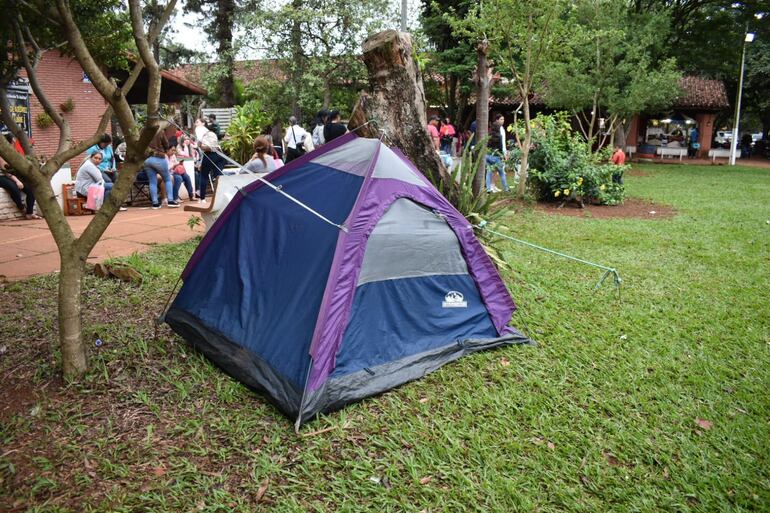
(656, 402)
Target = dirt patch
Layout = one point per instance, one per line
(635, 171)
(634, 208)
(18, 398)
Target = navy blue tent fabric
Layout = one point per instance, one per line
(266, 296)
(317, 315)
(394, 319)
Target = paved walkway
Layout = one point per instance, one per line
(28, 249)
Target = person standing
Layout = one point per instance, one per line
(497, 153)
(447, 134)
(334, 128)
(433, 131)
(318, 130)
(156, 164)
(619, 159)
(211, 161)
(213, 126)
(294, 140)
(694, 146)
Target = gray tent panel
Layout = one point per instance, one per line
(390, 165)
(408, 242)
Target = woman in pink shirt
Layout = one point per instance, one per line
(433, 131)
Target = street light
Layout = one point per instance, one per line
(734, 145)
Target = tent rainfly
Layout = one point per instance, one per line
(383, 283)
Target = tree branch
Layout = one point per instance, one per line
(80, 49)
(53, 164)
(31, 68)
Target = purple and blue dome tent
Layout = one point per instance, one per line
(349, 276)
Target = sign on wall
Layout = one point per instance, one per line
(18, 97)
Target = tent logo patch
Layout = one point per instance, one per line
(454, 299)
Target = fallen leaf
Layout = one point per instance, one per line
(537, 440)
(704, 424)
(159, 471)
(88, 464)
(424, 400)
(505, 362)
(584, 480)
(262, 489)
(375, 479)
(611, 459)
(200, 506)
(425, 480)
(551, 445)
(665, 473)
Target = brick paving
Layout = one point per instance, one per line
(28, 249)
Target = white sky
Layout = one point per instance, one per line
(193, 37)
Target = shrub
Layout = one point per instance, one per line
(249, 122)
(68, 105)
(43, 120)
(475, 207)
(562, 166)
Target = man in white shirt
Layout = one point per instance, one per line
(294, 140)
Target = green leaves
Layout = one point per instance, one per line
(563, 167)
(610, 62)
(249, 122)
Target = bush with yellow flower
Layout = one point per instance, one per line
(562, 165)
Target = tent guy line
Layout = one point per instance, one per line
(483, 225)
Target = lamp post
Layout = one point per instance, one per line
(733, 147)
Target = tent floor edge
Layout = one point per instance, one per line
(340, 391)
(236, 361)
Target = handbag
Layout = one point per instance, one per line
(95, 197)
(299, 146)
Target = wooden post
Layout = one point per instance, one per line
(395, 101)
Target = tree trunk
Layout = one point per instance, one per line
(522, 189)
(483, 85)
(452, 99)
(395, 101)
(297, 58)
(74, 361)
(327, 94)
(224, 19)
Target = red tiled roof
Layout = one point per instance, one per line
(702, 93)
(697, 93)
(245, 71)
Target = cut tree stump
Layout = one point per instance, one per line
(395, 101)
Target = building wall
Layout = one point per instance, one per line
(61, 77)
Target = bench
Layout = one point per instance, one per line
(225, 189)
(672, 152)
(722, 153)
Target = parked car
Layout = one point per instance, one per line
(723, 138)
